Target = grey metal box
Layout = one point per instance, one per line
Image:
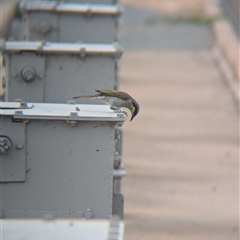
(70, 22)
(54, 72)
(57, 159)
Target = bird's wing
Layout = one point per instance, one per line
(113, 93)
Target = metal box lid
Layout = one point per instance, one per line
(80, 49)
(56, 6)
(53, 111)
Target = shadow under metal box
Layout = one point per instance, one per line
(54, 72)
(57, 159)
(70, 22)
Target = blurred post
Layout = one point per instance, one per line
(7, 9)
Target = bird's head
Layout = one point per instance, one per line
(134, 109)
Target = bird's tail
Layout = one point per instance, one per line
(85, 96)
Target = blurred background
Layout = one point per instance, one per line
(181, 153)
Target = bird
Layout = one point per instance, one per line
(116, 100)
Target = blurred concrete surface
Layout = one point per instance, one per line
(181, 152)
(227, 54)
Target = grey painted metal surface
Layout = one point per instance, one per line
(118, 205)
(70, 229)
(70, 22)
(54, 72)
(66, 165)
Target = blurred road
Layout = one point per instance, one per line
(181, 152)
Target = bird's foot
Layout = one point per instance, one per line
(118, 110)
(125, 113)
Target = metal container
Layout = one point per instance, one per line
(70, 22)
(54, 72)
(57, 159)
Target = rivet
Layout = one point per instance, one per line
(121, 115)
(73, 113)
(88, 214)
(82, 52)
(41, 75)
(23, 104)
(88, 11)
(18, 100)
(70, 102)
(19, 146)
(72, 123)
(19, 112)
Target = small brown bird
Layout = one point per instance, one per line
(116, 100)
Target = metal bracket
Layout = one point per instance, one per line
(26, 69)
(118, 205)
(55, 6)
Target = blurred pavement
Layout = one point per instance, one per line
(181, 152)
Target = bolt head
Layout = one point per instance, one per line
(28, 74)
(44, 27)
(5, 144)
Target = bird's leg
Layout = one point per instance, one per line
(125, 113)
(116, 109)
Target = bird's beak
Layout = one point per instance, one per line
(134, 109)
(133, 113)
